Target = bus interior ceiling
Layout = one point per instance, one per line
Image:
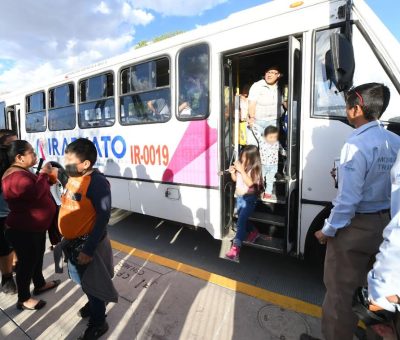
(249, 68)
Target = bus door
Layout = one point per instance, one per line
(228, 147)
(13, 119)
(293, 132)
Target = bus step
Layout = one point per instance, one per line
(277, 200)
(267, 218)
(265, 242)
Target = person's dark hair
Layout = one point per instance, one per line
(270, 129)
(253, 162)
(273, 68)
(9, 152)
(84, 149)
(5, 134)
(373, 98)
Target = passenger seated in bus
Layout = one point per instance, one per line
(270, 148)
(246, 172)
(193, 100)
(159, 108)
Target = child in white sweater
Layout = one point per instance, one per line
(269, 148)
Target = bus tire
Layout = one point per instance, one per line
(314, 252)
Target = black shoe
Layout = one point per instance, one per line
(84, 312)
(39, 305)
(307, 337)
(9, 286)
(94, 332)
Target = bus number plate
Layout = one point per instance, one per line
(150, 154)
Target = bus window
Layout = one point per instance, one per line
(3, 124)
(62, 115)
(145, 93)
(327, 101)
(96, 101)
(193, 96)
(36, 112)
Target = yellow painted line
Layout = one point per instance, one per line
(237, 286)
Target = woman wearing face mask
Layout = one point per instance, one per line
(32, 210)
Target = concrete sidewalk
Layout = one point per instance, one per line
(156, 302)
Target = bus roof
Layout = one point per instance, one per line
(257, 13)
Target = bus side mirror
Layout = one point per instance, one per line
(339, 62)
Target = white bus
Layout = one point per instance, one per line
(163, 117)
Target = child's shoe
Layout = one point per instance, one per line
(253, 236)
(233, 254)
(266, 196)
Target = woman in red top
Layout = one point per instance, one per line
(32, 210)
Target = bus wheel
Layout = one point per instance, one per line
(314, 252)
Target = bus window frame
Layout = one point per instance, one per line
(375, 51)
(177, 82)
(144, 61)
(313, 65)
(62, 107)
(30, 112)
(79, 102)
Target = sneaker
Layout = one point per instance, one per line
(233, 254)
(267, 196)
(270, 198)
(84, 312)
(253, 236)
(9, 286)
(94, 332)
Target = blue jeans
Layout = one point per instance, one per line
(73, 273)
(245, 206)
(269, 172)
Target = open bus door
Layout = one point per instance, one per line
(294, 101)
(13, 119)
(229, 147)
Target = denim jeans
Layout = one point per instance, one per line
(73, 273)
(269, 172)
(245, 206)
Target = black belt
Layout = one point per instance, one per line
(384, 211)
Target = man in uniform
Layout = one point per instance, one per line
(353, 231)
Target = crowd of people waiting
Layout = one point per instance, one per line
(28, 212)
